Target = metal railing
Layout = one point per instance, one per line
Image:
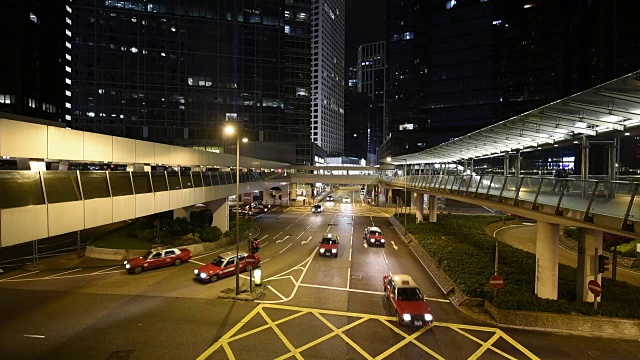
(592, 196)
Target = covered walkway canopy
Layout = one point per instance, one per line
(612, 108)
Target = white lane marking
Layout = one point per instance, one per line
(265, 244)
(288, 227)
(105, 270)
(197, 262)
(285, 248)
(278, 234)
(277, 293)
(300, 235)
(385, 258)
(263, 237)
(395, 247)
(34, 336)
(264, 261)
(329, 229)
(350, 254)
(17, 276)
(351, 241)
(297, 283)
(434, 299)
(342, 289)
(348, 276)
(365, 245)
(66, 272)
(307, 228)
(224, 249)
(309, 239)
(283, 239)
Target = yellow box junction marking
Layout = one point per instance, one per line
(232, 335)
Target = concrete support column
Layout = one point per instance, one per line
(220, 210)
(433, 208)
(181, 212)
(547, 250)
(389, 196)
(518, 163)
(584, 165)
(294, 192)
(506, 163)
(419, 207)
(471, 167)
(588, 241)
(612, 160)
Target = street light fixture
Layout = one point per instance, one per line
(231, 130)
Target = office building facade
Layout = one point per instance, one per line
(327, 63)
(372, 81)
(35, 66)
(176, 71)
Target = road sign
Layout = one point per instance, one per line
(595, 288)
(250, 260)
(496, 281)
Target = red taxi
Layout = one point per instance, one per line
(373, 236)
(407, 300)
(223, 266)
(157, 258)
(329, 245)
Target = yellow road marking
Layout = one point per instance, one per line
(396, 347)
(484, 347)
(331, 312)
(228, 351)
(263, 327)
(518, 346)
(225, 337)
(280, 334)
(343, 336)
(482, 342)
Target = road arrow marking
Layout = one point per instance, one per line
(285, 238)
(394, 245)
(309, 239)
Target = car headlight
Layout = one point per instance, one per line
(334, 251)
(203, 275)
(126, 262)
(428, 317)
(321, 250)
(195, 271)
(127, 266)
(381, 240)
(406, 317)
(371, 240)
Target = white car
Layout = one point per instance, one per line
(346, 200)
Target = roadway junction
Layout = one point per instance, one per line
(313, 307)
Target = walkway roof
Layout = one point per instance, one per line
(612, 108)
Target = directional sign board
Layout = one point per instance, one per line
(496, 281)
(250, 260)
(595, 288)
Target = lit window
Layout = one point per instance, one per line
(67, 69)
(68, 57)
(68, 81)
(68, 8)
(497, 22)
(67, 105)
(287, 29)
(68, 45)
(67, 92)
(68, 21)
(68, 32)
(134, 50)
(526, 6)
(67, 117)
(34, 18)
(450, 3)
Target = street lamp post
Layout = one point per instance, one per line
(230, 130)
(405, 196)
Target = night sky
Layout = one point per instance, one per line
(365, 23)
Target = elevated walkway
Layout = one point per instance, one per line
(597, 204)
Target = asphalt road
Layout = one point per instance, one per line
(313, 308)
(524, 238)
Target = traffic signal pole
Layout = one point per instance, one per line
(597, 278)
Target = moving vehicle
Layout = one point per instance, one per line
(407, 300)
(317, 208)
(329, 245)
(373, 236)
(329, 197)
(243, 211)
(157, 258)
(346, 199)
(222, 266)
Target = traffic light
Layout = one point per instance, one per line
(255, 246)
(603, 263)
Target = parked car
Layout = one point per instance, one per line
(243, 211)
(222, 266)
(329, 245)
(373, 236)
(157, 258)
(346, 199)
(407, 300)
(317, 208)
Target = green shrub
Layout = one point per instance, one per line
(210, 234)
(179, 227)
(571, 233)
(184, 240)
(461, 247)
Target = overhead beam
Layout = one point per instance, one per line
(619, 96)
(559, 124)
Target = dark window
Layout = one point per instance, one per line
(20, 188)
(159, 181)
(120, 183)
(174, 181)
(94, 185)
(141, 182)
(61, 186)
(197, 178)
(186, 179)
